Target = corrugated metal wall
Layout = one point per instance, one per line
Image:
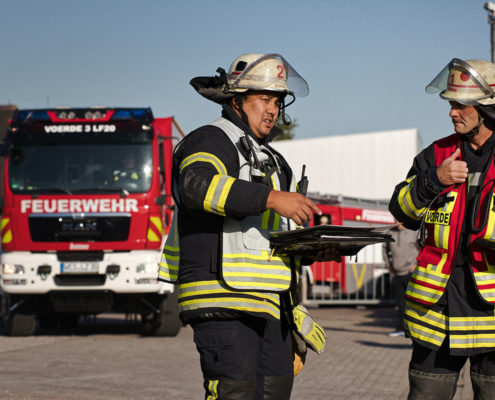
(366, 165)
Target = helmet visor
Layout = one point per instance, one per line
(270, 72)
(460, 82)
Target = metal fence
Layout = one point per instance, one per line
(357, 280)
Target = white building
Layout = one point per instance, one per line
(365, 165)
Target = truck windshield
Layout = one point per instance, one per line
(80, 168)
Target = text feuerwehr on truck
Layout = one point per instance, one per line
(86, 206)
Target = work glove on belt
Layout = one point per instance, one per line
(308, 330)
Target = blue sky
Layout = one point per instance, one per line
(366, 61)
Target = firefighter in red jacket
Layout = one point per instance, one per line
(448, 196)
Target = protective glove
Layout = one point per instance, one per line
(308, 330)
(299, 349)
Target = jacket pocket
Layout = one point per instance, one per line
(253, 237)
(430, 255)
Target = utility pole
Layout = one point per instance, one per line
(490, 7)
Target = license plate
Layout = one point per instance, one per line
(79, 268)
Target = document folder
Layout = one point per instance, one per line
(347, 241)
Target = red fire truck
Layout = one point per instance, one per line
(357, 279)
(86, 205)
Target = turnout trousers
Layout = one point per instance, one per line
(433, 374)
(248, 358)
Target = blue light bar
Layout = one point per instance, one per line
(135, 113)
(33, 115)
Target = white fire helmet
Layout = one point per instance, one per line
(468, 82)
(265, 72)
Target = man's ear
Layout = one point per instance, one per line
(234, 104)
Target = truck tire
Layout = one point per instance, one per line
(165, 323)
(16, 324)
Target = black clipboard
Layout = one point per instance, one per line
(347, 241)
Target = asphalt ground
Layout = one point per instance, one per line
(107, 359)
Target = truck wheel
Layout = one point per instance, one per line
(15, 323)
(19, 324)
(167, 322)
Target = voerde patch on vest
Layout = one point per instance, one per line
(438, 217)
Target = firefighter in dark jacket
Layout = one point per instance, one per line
(232, 189)
(448, 196)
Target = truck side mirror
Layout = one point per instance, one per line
(160, 200)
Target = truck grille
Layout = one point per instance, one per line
(77, 228)
(69, 256)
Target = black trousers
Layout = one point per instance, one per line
(433, 374)
(248, 358)
(399, 286)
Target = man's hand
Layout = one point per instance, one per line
(452, 171)
(292, 205)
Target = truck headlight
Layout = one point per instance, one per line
(8, 269)
(148, 268)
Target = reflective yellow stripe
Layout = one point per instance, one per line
(158, 223)
(276, 222)
(261, 286)
(265, 267)
(207, 294)
(276, 216)
(472, 341)
(263, 256)
(442, 230)
(485, 282)
(217, 194)
(405, 201)
(224, 195)
(224, 302)
(424, 333)
(472, 327)
(416, 295)
(211, 191)
(431, 317)
(211, 287)
(212, 390)
(7, 238)
(491, 223)
(426, 288)
(425, 275)
(169, 262)
(152, 236)
(4, 222)
(265, 218)
(168, 276)
(204, 157)
(171, 252)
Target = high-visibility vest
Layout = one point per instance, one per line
(250, 277)
(443, 221)
(246, 261)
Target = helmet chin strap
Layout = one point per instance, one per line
(238, 104)
(476, 129)
(286, 119)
